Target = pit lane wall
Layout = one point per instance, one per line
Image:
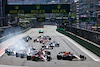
(13, 34)
(82, 42)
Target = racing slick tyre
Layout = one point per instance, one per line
(30, 38)
(40, 41)
(48, 53)
(82, 57)
(43, 46)
(21, 56)
(57, 45)
(49, 38)
(34, 40)
(51, 47)
(35, 59)
(17, 55)
(8, 53)
(26, 40)
(59, 57)
(40, 32)
(48, 58)
(28, 57)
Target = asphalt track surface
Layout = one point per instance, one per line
(65, 45)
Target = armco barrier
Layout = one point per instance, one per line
(14, 34)
(82, 42)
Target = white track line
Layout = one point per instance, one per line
(2, 54)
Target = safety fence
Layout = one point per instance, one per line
(87, 34)
(82, 42)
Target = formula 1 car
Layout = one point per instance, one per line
(9, 47)
(16, 47)
(11, 50)
(47, 37)
(27, 38)
(42, 39)
(47, 47)
(41, 31)
(54, 44)
(21, 53)
(24, 53)
(62, 56)
(42, 36)
(40, 56)
(37, 40)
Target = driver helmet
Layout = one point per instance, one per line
(69, 52)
